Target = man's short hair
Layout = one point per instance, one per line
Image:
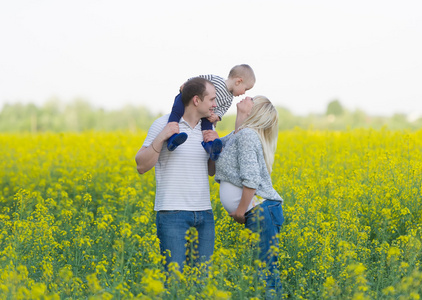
(196, 86)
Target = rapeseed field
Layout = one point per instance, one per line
(77, 220)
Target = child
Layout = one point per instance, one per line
(241, 78)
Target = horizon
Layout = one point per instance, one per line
(366, 54)
(412, 116)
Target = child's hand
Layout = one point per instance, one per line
(213, 118)
(181, 87)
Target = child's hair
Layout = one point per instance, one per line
(196, 86)
(243, 71)
(264, 120)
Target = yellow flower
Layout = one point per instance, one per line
(388, 290)
(93, 283)
(393, 253)
(38, 290)
(126, 230)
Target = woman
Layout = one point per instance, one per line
(243, 171)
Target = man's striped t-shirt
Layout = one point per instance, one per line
(181, 175)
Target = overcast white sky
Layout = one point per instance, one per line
(365, 53)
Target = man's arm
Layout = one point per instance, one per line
(147, 157)
(210, 135)
(211, 167)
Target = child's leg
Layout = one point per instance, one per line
(206, 124)
(176, 114)
(214, 147)
(178, 109)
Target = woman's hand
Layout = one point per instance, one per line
(239, 217)
(239, 214)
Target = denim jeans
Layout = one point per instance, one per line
(172, 226)
(266, 220)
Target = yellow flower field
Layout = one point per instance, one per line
(77, 220)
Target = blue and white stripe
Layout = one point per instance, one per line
(181, 175)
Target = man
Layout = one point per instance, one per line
(182, 197)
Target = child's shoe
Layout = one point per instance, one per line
(176, 140)
(213, 148)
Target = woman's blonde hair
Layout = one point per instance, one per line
(264, 120)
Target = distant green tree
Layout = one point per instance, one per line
(399, 121)
(80, 115)
(18, 117)
(286, 120)
(227, 123)
(359, 119)
(335, 108)
(50, 116)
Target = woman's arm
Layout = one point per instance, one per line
(247, 156)
(239, 214)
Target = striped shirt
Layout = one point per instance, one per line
(181, 175)
(224, 98)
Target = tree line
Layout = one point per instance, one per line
(80, 115)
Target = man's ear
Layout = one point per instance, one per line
(238, 80)
(195, 100)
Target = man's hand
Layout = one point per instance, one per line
(170, 129)
(209, 135)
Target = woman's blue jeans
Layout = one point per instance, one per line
(172, 227)
(266, 220)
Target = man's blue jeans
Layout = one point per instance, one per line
(172, 227)
(266, 220)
